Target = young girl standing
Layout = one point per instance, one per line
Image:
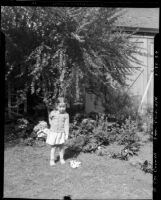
(59, 130)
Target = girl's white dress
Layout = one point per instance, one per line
(59, 128)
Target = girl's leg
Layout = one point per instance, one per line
(61, 153)
(52, 156)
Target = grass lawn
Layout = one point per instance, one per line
(27, 174)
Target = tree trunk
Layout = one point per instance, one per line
(9, 100)
(77, 85)
(25, 105)
(63, 70)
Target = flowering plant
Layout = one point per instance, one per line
(22, 123)
(41, 129)
(40, 126)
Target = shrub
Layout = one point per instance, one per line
(9, 129)
(23, 128)
(9, 132)
(78, 117)
(76, 143)
(147, 120)
(102, 151)
(145, 123)
(40, 126)
(93, 134)
(101, 132)
(127, 112)
(127, 132)
(147, 167)
(93, 115)
(81, 136)
(120, 105)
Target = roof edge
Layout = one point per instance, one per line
(140, 30)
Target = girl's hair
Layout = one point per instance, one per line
(61, 100)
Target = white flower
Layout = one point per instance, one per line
(40, 126)
(41, 134)
(75, 164)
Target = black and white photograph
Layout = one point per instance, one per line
(79, 101)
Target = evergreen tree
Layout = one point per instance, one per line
(53, 48)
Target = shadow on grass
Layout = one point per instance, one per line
(24, 142)
(12, 143)
(69, 153)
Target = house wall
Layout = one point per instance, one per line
(137, 87)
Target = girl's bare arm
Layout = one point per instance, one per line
(67, 126)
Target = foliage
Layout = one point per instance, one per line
(28, 141)
(90, 134)
(40, 126)
(127, 152)
(23, 128)
(102, 151)
(147, 123)
(20, 128)
(81, 136)
(127, 132)
(78, 117)
(76, 144)
(120, 105)
(147, 167)
(93, 115)
(45, 46)
(9, 132)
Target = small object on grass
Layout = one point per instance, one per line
(75, 164)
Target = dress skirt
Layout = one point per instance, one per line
(54, 138)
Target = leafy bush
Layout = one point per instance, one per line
(127, 132)
(93, 115)
(40, 126)
(23, 128)
(101, 133)
(102, 151)
(123, 114)
(120, 105)
(29, 141)
(81, 136)
(9, 132)
(93, 133)
(127, 152)
(147, 122)
(78, 117)
(147, 167)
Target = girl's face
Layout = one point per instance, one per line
(61, 107)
